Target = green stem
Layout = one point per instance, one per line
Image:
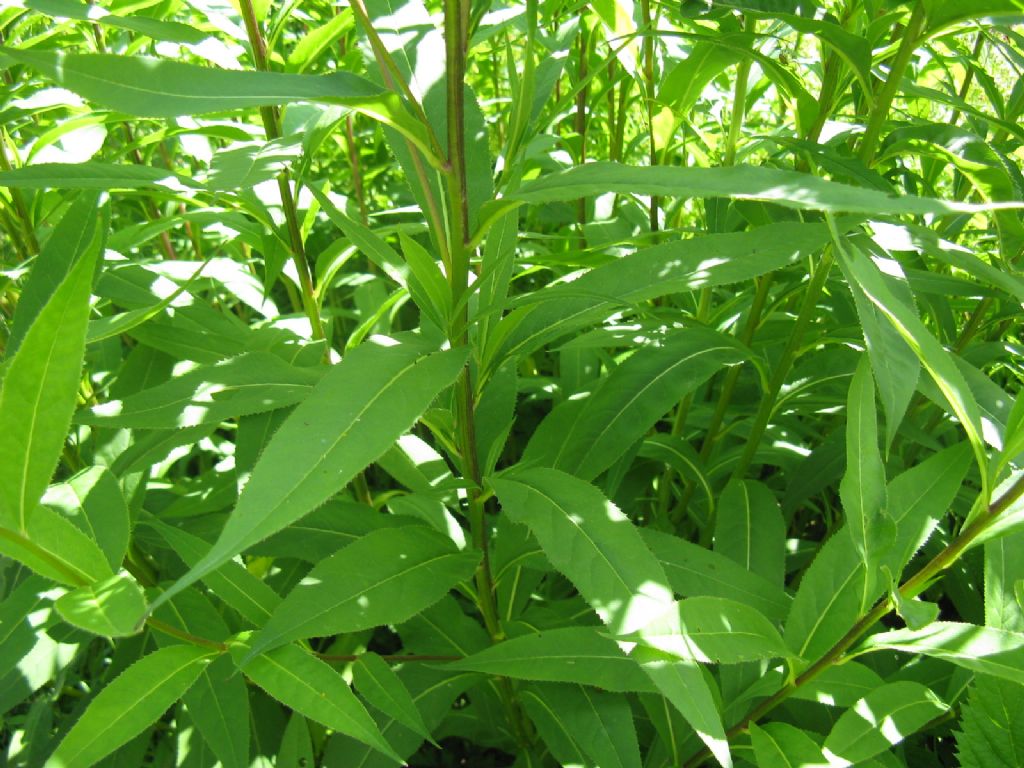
(394, 81)
(880, 111)
(648, 71)
(19, 202)
(739, 101)
(789, 355)
(909, 589)
(188, 637)
(580, 118)
(272, 129)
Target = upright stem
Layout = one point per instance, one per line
(19, 202)
(739, 102)
(789, 355)
(648, 70)
(272, 129)
(456, 25)
(880, 111)
(394, 81)
(580, 118)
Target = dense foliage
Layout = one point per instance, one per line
(511, 383)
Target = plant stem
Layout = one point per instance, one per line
(909, 589)
(19, 201)
(880, 110)
(789, 355)
(648, 71)
(580, 117)
(272, 129)
(739, 101)
(394, 81)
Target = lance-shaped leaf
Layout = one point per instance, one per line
(712, 629)
(72, 236)
(781, 744)
(231, 582)
(131, 703)
(151, 87)
(684, 683)
(110, 608)
(92, 500)
(741, 182)
(879, 721)
(695, 571)
(568, 655)
(573, 719)
(311, 687)
(749, 529)
(385, 577)
(996, 652)
(630, 401)
(37, 396)
(360, 407)
(92, 175)
(589, 540)
(219, 700)
(862, 489)
(682, 265)
(250, 383)
(936, 360)
(383, 689)
(991, 725)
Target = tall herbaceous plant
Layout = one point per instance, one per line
(511, 383)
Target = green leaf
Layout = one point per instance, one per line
(54, 547)
(880, 720)
(996, 652)
(150, 87)
(684, 684)
(385, 577)
(936, 360)
(991, 725)
(93, 175)
(781, 744)
(427, 284)
(695, 571)
(589, 540)
(599, 725)
(17, 635)
(307, 685)
(250, 383)
(920, 497)
(1004, 567)
(37, 396)
(629, 401)
(862, 488)
(232, 583)
(352, 416)
(156, 28)
(130, 703)
(674, 267)
(110, 608)
(383, 689)
(219, 700)
(296, 746)
(72, 237)
(568, 655)
(92, 500)
(742, 182)
(712, 629)
(750, 531)
(895, 366)
(834, 592)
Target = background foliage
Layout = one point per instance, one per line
(488, 383)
